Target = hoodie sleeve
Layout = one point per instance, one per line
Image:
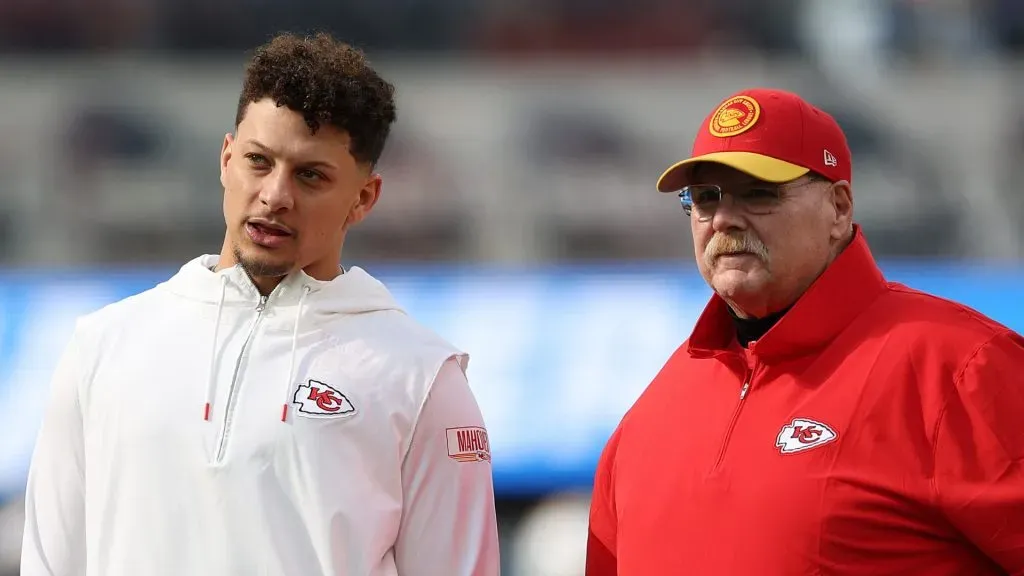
(449, 524)
(54, 537)
(979, 453)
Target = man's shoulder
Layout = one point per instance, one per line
(392, 334)
(679, 367)
(930, 318)
(933, 338)
(122, 313)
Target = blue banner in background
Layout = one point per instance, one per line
(557, 354)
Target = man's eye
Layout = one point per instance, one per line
(706, 197)
(310, 175)
(256, 159)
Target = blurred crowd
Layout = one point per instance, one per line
(554, 101)
(910, 27)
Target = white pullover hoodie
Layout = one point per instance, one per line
(200, 429)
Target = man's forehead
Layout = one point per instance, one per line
(283, 132)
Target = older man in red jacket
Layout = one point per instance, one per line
(819, 419)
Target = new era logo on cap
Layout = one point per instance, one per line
(773, 135)
(830, 160)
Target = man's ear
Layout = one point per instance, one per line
(842, 202)
(367, 199)
(225, 157)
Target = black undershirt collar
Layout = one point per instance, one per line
(751, 329)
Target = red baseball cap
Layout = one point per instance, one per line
(772, 135)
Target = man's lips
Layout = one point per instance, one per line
(269, 227)
(268, 234)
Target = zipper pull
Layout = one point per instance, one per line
(262, 304)
(744, 390)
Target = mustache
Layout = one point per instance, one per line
(721, 244)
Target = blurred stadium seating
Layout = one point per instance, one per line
(519, 185)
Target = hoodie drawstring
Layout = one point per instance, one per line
(211, 381)
(291, 362)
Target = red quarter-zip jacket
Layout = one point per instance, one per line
(873, 430)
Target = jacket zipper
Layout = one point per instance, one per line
(735, 417)
(225, 430)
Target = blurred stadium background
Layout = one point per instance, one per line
(519, 217)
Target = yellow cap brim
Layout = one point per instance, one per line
(759, 166)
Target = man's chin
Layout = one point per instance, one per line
(735, 283)
(261, 265)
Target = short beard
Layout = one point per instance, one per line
(257, 268)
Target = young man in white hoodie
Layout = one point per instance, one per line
(265, 412)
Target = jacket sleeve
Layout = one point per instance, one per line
(979, 452)
(601, 539)
(54, 537)
(449, 524)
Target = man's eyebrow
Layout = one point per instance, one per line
(259, 145)
(307, 164)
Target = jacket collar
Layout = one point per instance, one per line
(844, 290)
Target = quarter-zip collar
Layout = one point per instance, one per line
(842, 292)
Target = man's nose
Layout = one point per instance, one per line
(729, 215)
(278, 191)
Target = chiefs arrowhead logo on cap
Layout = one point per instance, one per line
(735, 116)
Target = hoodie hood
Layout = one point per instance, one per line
(353, 292)
(315, 301)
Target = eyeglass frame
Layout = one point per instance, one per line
(775, 188)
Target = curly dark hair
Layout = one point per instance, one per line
(328, 82)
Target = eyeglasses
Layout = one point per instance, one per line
(758, 200)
